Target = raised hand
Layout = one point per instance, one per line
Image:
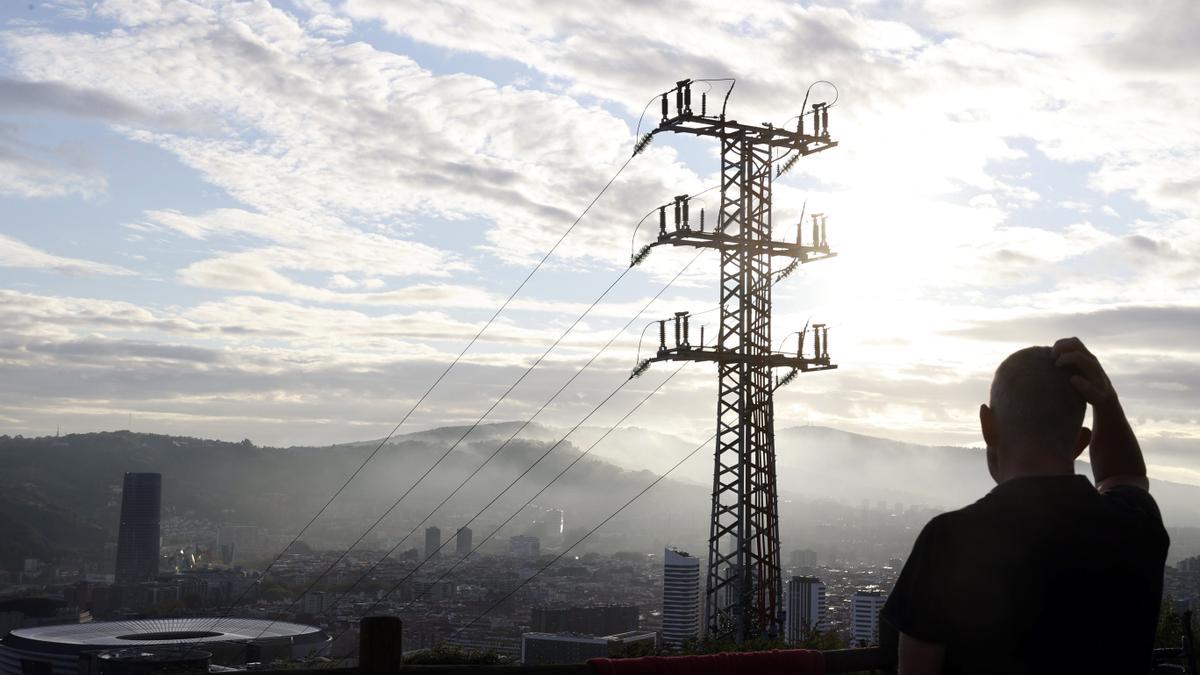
(1088, 376)
(1115, 454)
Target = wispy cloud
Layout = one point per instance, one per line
(1008, 173)
(14, 253)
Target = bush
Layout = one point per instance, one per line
(449, 655)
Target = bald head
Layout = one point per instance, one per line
(1034, 404)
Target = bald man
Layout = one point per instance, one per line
(1047, 573)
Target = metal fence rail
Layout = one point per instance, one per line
(380, 654)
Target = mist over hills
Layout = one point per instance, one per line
(62, 494)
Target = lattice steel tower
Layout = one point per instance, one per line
(744, 586)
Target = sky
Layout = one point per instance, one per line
(282, 220)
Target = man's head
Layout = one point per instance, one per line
(1034, 423)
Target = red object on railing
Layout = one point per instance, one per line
(775, 662)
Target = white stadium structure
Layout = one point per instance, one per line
(57, 650)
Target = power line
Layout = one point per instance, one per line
(459, 440)
(482, 417)
(436, 382)
(503, 445)
(573, 462)
(590, 532)
(529, 501)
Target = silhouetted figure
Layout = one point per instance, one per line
(1046, 573)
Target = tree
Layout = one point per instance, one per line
(275, 592)
(449, 655)
(823, 640)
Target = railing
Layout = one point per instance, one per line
(380, 654)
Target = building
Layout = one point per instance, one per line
(549, 525)
(864, 617)
(557, 521)
(138, 537)
(548, 648)
(433, 542)
(804, 558)
(681, 597)
(462, 542)
(315, 602)
(597, 620)
(56, 650)
(805, 606)
(218, 586)
(235, 540)
(525, 546)
(433, 591)
(28, 612)
(142, 661)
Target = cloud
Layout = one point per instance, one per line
(379, 206)
(14, 253)
(339, 133)
(34, 170)
(249, 362)
(1131, 328)
(36, 98)
(90, 350)
(327, 245)
(929, 95)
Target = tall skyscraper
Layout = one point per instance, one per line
(462, 542)
(555, 519)
(681, 597)
(805, 605)
(433, 542)
(138, 537)
(864, 617)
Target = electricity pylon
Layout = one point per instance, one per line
(744, 588)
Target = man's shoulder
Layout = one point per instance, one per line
(944, 526)
(1138, 508)
(1132, 497)
(1125, 509)
(985, 507)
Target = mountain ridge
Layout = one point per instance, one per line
(823, 472)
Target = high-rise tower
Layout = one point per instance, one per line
(462, 542)
(865, 607)
(433, 542)
(681, 597)
(805, 603)
(138, 537)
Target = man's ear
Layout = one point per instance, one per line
(1085, 439)
(987, 424)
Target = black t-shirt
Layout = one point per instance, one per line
(1042, 575)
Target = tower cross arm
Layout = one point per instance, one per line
(775, 137)
(720, 240)
(772, 360)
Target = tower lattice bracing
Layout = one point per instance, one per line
(744, 587)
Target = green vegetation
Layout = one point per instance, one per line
(817, 640)
(1170, 627)
(31, 526)
(449, 655)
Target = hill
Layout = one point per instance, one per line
(62, 495)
